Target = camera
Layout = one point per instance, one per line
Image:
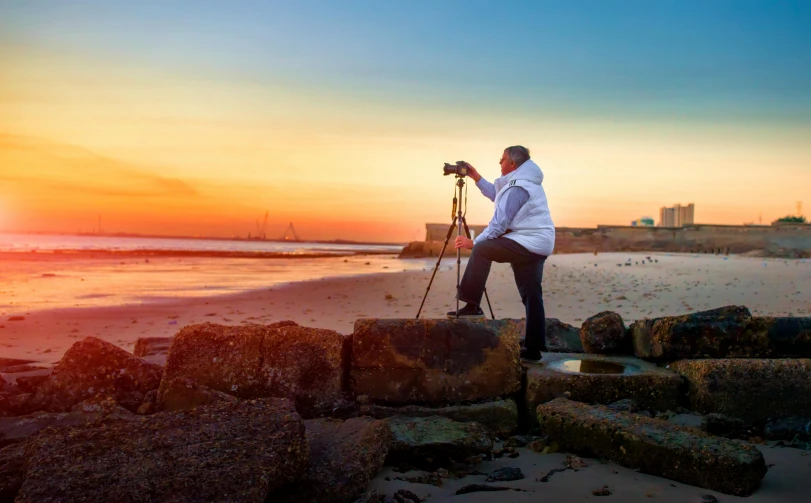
(459, 169)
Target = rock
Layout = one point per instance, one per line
(435, 441)
(754, 390)
(150, 346)
(723, 426)
(603, 333)
(474, 488)
(519, 441)
(786, 336)
(651, 387)
(654, 446)
(500, 417)
(560, 337)
(625, 405)
(434, 362)
(19, 429)
(224, 452)
(344, 458)
(94, 367)
(406, 496)
(182, 393)
(505, 474)
(253, 361)
(15, 403)
(3, 383)
(371, 496)
(538, 445)
(787, 428)
(12, 471)
(30, 384)
(721, 333)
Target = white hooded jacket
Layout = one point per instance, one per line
(532, 226)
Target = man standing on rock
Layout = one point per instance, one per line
(520, 233)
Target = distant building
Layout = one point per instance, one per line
(643, 222)
(677, 215)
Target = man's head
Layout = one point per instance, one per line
(513, 158)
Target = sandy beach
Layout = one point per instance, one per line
(122, 300)
(63, 300)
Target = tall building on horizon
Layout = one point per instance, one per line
(677, 215)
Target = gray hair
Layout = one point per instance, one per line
(518, 154)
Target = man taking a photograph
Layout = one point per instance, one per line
(521, 233)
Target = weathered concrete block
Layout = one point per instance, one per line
(344, 458)
(583, 378)
(603, 333)
(754, 390)
(560, 337)
(705, 333)
(93, 367)
(432, 441)
(728, 332)
(286, 361)
(654, 446)
(500, 417)
(435, 362)
(224, 452)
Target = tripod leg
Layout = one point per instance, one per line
(436, 267)
(487, 297)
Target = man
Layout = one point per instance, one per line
(521, 233)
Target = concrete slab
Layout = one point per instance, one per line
(754, 390)
(576, 376)
(655, 446)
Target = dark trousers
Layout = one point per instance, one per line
(528, 270)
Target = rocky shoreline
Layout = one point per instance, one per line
(283, 412)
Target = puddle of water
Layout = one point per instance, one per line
(594, 367)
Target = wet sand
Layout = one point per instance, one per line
(575, 287)
(787, 481)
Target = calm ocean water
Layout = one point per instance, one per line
(48, 281)
(40, 242)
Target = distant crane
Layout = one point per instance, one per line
(261, 231)
(799, 208)
(290, 228)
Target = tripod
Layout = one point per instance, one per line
(458, 223)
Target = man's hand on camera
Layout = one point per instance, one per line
(472, 173)
(463, 242)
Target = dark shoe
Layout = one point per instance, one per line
(530, 356)
(468, 312)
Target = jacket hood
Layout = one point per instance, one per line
(528, 171)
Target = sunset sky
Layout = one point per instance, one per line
(195, 117)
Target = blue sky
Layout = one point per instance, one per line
(715, 59)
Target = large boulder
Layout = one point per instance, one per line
(92, 368)
(435, 362)
(754, 390)
(499, 417)
(603, 333)
(344, 458)
(727, 332)
(182, 393)
(434, 441)
(299, 363)
(597, 379)
(12, 471)
(560, 337)
(223, 452)
(19, 429)
(654, 446)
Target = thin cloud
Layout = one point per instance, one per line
(38, 163)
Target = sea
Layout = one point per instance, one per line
(51, 242)
(37, 272)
